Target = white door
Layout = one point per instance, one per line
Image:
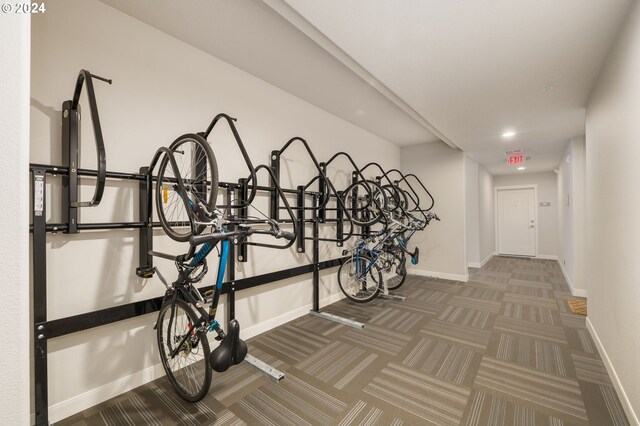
(516, 222)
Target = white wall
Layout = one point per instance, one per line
(565, 214)
(572, 215)
(486, 211)
(162, 88)
(472, 214)
(480, 217)
(547, 216)
(14, 234)
(442, 245)
(613, 203)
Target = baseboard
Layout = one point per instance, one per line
(624, 399)
(264, 326)
(442, 275)
(481, 264)
(71, 406)
(488, 258)
(546, 257)
(578, 292)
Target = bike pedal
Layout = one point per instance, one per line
(145, 272)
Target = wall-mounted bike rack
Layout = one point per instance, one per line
(238, 197)
(320, 199)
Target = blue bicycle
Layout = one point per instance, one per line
(378, 263)
(186, 193)
(183, 322)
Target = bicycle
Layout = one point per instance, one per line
(183, 323)
(361, 276)
(186, 192)
(395, 251)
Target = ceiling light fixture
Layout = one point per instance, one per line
(521, 168)
(509, 134)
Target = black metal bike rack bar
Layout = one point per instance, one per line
(71, 151)
(242, 213)
(322, 181)
(300, 238)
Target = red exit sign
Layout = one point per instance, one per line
(515, 160)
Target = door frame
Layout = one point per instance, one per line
(535, 210)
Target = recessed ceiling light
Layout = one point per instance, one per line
(521, 168)
(509, 134)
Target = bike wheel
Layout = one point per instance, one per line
(199, 172)
(396, 197)
(356, 283)
(412, 202)
(366, 202)
(397, 272)
(188, 371)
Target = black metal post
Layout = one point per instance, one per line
(242, 213)
(339, 223)
(274, 200)
(354, 177)
(300, 241)
(70, 154)
(40, 296)
(231, 263)
(354, 195)
(322, 214)
(145, 269)
(316, 257)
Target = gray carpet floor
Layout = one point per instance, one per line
(502, 349)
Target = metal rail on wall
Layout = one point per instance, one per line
(310, 209)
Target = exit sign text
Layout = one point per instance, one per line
(515, 160)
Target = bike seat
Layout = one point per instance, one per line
(415, 256)
(231, 351)
(402, 266)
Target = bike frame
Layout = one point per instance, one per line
(374, 258)
(192, 295)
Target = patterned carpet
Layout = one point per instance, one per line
(502, 349)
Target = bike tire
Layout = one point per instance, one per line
(396, 281)
(397, 198)
(191, 153)
(354, 287)
(366, 202)
(188, 372)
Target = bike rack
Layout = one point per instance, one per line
(356, 175)
(238, 197)
(416, 200)
(317, 206)
(71, 150)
